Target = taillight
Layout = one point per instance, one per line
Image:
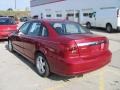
(70, 50)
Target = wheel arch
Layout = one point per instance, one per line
(48, 65)
(88, 22)
(88, 25)
(37, 52)
(40, 52)
(108, 23)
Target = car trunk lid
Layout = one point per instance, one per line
(8, 28)
(89, 45)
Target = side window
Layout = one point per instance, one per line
(34, 29)
(85, 14)
(58, 15)
(44, 31)
(90, 15)
(48, 15)
(24, 28)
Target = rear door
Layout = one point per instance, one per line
(30, 39)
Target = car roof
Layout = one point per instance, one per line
(52, 20)
(56, 20)
(5, 17)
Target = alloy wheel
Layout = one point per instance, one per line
(42, 66)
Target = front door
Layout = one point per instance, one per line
(92, 17)
(30, 39)
(18, 43)
(35, 35)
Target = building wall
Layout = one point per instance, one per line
(69, 5)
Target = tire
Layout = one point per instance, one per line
(42, 65)
(10, 46)
(109, 28)
(88, 25)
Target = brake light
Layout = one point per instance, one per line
(71, 50)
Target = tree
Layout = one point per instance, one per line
(9, 9)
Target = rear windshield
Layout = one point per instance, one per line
(6, 21)
(68, 28)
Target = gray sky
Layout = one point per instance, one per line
(20, 4)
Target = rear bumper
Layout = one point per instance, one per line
(76, 66)
(3, 37)
(4, 34)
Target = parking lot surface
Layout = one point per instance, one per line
(17, 73)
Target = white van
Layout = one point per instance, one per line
(108, 18)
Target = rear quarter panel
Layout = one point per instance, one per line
(49, 47)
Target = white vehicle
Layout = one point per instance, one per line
(108, 18)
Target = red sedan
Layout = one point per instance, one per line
(7, 26)
(61, 47)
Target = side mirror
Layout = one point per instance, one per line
(17, 31)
